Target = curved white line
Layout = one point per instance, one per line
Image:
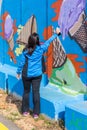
(0, 6)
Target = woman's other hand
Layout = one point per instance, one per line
(18, 76)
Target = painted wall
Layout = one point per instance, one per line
(66, 61)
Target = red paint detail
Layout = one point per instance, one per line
(10, 53)
(47, 32)
(56, 5)
(76, 64)
(12, 56)
(14, 26)
(3, 23)
(4, 16)
(49, 60)
(85, 58)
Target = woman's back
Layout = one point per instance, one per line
(34, 62)
(31, 60)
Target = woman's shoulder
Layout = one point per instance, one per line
(25, 51)
(38, 46)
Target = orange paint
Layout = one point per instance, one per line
(47, 32)
(85, 58)
(4, 16)
(3, 24)
(11, 54)
(14, 26)
(49, 61)
(76, 64)
(56, 5)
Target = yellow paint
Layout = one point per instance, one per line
(20, 27)
(19, 50)
(2, 127)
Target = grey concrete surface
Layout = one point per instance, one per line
(7, 123)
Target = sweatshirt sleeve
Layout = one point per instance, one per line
(21, 64)
(48, 42)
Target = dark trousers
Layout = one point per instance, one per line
(35, 84)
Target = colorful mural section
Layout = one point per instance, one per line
(66, 58)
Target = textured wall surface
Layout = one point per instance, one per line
(66, 58)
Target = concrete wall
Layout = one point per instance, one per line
(71, 76)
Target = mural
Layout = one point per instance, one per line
(66, 59)
(71, 21)
(8, 31)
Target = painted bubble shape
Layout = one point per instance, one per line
(8, 27)
(69, 14)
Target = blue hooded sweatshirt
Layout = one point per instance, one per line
(31, 65)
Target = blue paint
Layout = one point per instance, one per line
(2, 81)
(21, 11)
(53, 101)
(76, 116)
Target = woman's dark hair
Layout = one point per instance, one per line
(33, 40)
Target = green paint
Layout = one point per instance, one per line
(77, 122)
(66, 77)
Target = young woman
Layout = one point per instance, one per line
(30, 66)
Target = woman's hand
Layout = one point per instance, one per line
(18, 76)
(58, 31)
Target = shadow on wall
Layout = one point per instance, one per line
(15, 86)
